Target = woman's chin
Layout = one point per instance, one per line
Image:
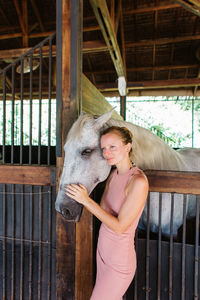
(110, 162)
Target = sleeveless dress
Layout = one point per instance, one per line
(116, 257)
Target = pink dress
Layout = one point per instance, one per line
(116, 257)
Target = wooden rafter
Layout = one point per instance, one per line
(112, 12)
(163, 41)
(144, 69)
(103, 17)
(150, 9)
(155, 36)
(20, 17)
(25, 22)
(123, 41)
(143, 10)
(190, 5)
(118, 14)
(156, 84)
(37, 14)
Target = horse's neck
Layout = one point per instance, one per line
(149, 151)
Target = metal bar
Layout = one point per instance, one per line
(4, 243)
(40, 244)
(59, 75)
(171, 248)
(49, 102)
(21, 111)
(196, 260)
(31, 108)
(4, 118)
(40, 108)
(22, 244)
(148, 249)
(50, 244)
(13, 115)
(31, 245)
(183, 250)
(159, 247)
(13, 243)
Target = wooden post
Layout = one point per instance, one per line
(68, 91)
(123, 106)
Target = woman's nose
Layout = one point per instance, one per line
(106, 152)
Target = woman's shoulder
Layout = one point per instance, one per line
(138, 177)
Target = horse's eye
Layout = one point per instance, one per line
(86, 152)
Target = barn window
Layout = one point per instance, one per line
(174, 119)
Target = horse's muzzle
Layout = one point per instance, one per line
(70, 211)
(72, 215)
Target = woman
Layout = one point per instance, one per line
(121, 206)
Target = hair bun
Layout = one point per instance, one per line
(128, 132)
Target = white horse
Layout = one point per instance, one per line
(85, 164)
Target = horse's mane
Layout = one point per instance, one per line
(149, 151)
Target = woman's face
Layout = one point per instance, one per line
(113, 148)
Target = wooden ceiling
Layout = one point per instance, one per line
(154, 44)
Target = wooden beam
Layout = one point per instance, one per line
(15, 53)
(123, 107)
(68, 94)
(155, 36)
(94, 46)
(150, 9)
(164, 83)
(163, 41)
(144, 69)
(142, 10)
(161, 84)
(25, 22)
(33, 175)
(20, 34)
(37, 14)
(65, 231)
(173, 181)
(155, 92)
(112, 12)
(195, 9)
(99, 46)
(20, 17)
(91, 28)
(103, 17)
(118, 15)
(123, 42)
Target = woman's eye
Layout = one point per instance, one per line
(112, 147)
(86, 152)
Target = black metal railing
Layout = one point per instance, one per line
(28, 107)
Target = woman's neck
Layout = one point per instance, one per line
(124, 166)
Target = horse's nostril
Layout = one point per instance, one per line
(66, 213)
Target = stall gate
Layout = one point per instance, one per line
(27, 184)
(168, 267)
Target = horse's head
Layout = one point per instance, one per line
(83, 162)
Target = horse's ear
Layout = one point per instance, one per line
(103, 119)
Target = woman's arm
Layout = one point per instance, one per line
(136, 196)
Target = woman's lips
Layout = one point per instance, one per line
(108, 159)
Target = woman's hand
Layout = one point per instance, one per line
(77, 192)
